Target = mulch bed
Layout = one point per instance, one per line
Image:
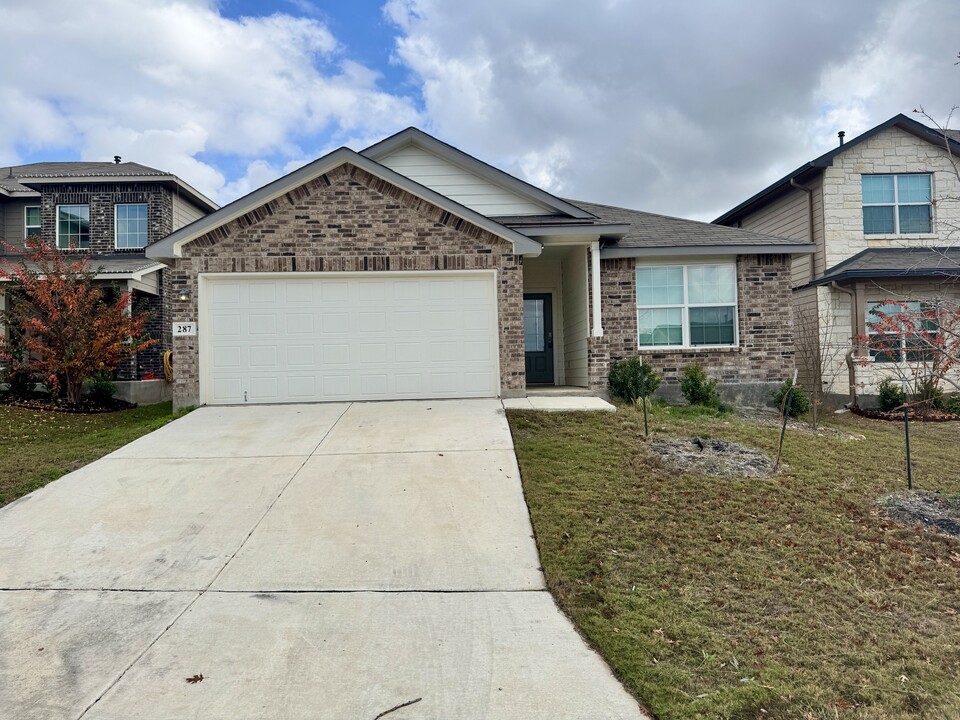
(765, 418)
(86, 406)
(713, 457)
(925, 509)
(897, 415)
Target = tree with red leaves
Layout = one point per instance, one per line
(63, 326)
(918, 342)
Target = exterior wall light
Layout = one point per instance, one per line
(184, 294)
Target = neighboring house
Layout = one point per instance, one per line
(883, 211)
(109, 211)
(413, 270)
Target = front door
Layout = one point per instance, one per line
(538, 337)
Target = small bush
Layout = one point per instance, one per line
(633, 379)
(698, 388)
(20, 380)
(101, 388)
(951, 403)
(931, 392)
(891, 395)
(799, 402)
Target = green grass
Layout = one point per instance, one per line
(788, 597)
(37, 447)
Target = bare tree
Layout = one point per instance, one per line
(816, 355)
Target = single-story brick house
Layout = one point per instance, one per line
(413, 270)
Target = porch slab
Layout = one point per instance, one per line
(559, 404)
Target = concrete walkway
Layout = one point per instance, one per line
(310, 561)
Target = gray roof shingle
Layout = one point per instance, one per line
(12, 178)
(652, 230)
(942, 262)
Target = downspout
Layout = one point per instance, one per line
(810, 233)
(851, 365)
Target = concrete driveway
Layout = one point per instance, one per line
(310, 561)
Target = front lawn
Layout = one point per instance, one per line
(786, 597)
(39, 446)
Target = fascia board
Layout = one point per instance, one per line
(585, 230)
(694, 250)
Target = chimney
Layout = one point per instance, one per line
(840, 135)
(117, 158)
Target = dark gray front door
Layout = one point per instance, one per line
(538, 337)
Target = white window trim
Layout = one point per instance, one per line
(685, 308)
(897, 204)
(116, 238)
(26, 228)
(67, 248)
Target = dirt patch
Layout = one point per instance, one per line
(769, 419)
(926, 509)
(713, 457)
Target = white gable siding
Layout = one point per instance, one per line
(458, 184)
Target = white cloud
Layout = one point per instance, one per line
(682, 108)
(162, 83)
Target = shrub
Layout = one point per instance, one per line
(891, 395)
(20, 380)
(799, 402)
(698, 388)
(951, 403)
(931, 392)
(633, 379)
(101, 388)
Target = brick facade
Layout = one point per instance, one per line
(102, 198)
(345, 221)
(765, 353)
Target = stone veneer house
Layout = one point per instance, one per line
(111, 212)
(413, 270)
(883, 212)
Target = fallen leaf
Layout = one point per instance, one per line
(193, 680)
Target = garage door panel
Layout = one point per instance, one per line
(262, 324)
(318, 338)
(262, 293)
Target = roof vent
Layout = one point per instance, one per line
(840, 135)
(117, 158)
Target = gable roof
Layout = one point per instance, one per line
(455, 156)
(21, 180)
(936, 262)
(170, 246)
(650, 234)
(814, 167)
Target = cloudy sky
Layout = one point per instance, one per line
(679, 108)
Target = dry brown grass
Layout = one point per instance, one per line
(787, 597)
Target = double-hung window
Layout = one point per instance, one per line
(130, 221)
(687, 305)
(73, 227)
(901, 332)
(31, 220)
(897, 204)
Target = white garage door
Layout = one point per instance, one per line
(275, 339)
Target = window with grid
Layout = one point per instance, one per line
(897, 204)
(131, 226)
(73, 227)
(31, 220)
(899, 338)
(687, 305)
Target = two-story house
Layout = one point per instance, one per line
(110, 211)
(883, 211)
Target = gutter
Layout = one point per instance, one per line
(848, 358)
